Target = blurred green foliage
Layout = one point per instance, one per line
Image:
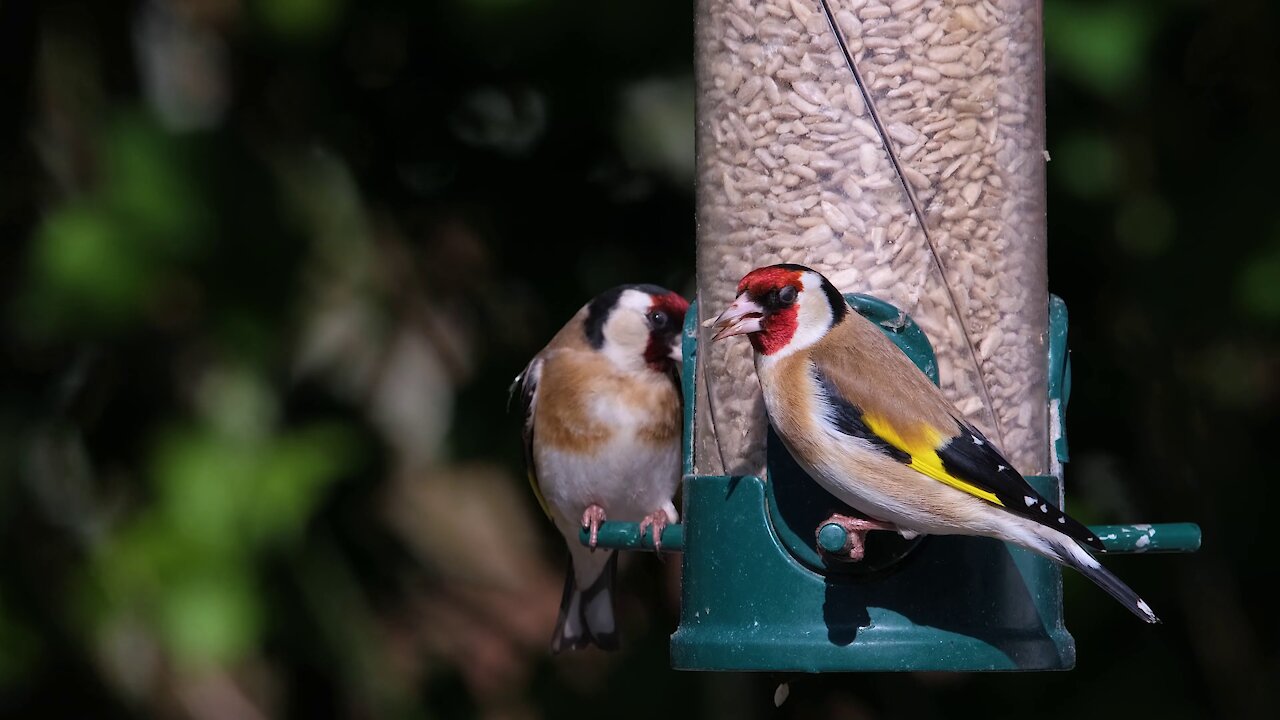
(297, 19)
(1101, 45)
(1258, 287)
(222, 498)
(101, 259)
(272, 264)
(1089, 165)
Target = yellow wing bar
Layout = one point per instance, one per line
(924, 456)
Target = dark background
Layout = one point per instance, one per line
(269, 268)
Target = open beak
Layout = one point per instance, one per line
(742, 317)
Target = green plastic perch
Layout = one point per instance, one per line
(1139, 538)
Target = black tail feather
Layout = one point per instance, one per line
(1080, 559)
(587, 616)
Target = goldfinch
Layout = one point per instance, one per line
(871, 428)
(602, 419)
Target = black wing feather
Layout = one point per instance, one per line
(971, 457)
(525, 387)
(848, 418)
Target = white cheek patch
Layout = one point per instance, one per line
(626, 332)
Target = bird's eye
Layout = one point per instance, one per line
(787, 295)
(657, 320)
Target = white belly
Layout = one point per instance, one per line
(628, 479)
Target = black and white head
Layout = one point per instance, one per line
(637, 326)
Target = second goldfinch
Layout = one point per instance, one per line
(870, 427)
(602, 418)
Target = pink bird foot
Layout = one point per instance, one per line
(857, 529)
(657, 520)
(591, 519)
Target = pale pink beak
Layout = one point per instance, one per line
(742, 317)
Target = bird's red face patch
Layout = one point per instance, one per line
(780, 319)
(762, 281)
(666, 321)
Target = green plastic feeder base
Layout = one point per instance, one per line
(958, 603)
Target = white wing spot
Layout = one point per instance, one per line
(1062, 520)
(1044, 508)
(1001, 468)
(1030, 500)
(1145, 608)
(977, 440)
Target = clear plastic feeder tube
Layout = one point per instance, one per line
(898, 148)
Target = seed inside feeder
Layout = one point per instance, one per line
(938, 149)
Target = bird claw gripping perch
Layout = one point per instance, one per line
(592, 517)
(851, 545)
(657, 520)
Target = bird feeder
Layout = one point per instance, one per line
(760, 594)
(898, 148)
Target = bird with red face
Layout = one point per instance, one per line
(602, 420)
(867, 425)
